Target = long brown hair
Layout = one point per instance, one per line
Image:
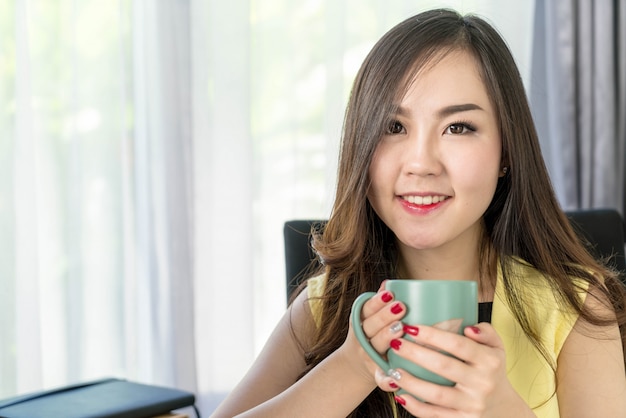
(523, 221)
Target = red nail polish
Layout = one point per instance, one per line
(411, 330)
(396, 308)
(393, 385)
(386, 297)
(400, 400)
(476, 330)
(395, 344)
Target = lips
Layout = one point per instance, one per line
(424, 200)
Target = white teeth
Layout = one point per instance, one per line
(424, 200)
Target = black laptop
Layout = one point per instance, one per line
(105, 398)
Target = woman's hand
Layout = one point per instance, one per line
(380, 319)
(479, 370)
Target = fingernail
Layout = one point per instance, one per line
(400, 400)
(394, 374)
(395, 327)
(395, 344)
(396, 308)
(474, 329)
(393, 385)
(411, 330)
(386, 297)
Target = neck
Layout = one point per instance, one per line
(459, 261)
(435, 265)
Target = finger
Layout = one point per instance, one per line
(485, 334)
(385, 382)
(449, 342)
(385, 317)
(376, 303)
(433, 360)
(421, 409)
(380, 319)
(380, 341)
(446, 397)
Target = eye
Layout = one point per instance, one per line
(395, 128)
(460, 128)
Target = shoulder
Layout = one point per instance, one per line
(545, 309)
(531, 282)
(530, 297)
(591, 364)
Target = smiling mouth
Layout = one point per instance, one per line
(424, 200)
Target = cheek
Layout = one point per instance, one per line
(378, 172)
(478, 171)
(381, 181)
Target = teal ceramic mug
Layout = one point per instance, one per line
(447, 304)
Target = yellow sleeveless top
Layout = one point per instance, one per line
(527, 370)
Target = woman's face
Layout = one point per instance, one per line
(435, 170)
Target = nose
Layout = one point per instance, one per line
(422, 156)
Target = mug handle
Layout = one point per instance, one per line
(355, 317)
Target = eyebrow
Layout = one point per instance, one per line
(448, 110)
(451, 110)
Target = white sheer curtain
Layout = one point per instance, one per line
(161, 297)
(150, 153)
(223, 192)
(62, 258)
(96, 266)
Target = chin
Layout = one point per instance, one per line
(420, 244)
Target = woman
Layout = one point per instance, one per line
(441, 177)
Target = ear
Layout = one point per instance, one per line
(503, 171)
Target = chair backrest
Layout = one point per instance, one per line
(300, 258)
(601, 230)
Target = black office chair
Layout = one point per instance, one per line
(300, 259)
(602, 230)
